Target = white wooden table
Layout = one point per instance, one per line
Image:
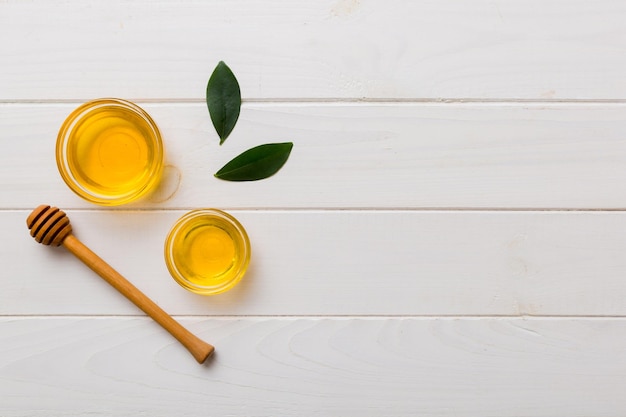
(447, 238)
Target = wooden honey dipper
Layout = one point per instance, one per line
(50, 226)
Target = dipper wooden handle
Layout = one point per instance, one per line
(50, 226)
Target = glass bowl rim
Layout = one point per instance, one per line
(180, 278)
(66, 130)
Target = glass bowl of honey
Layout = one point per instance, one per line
(110, 152)
(207, 251)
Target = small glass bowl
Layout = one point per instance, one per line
(207, 251)
(109, 152)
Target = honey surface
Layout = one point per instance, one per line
(110, 153)
(207, 251)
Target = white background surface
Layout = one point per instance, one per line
(447, 238)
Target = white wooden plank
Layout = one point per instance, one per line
(322, 367)
(384, 156)
(534, 49)
(340, 263)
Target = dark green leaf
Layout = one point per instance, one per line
(256, 163)
(223, 98)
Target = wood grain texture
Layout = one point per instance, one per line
(408, 49)
(197, 347)
(355, 156)
(375, 288)
(341, 263)
(321, 367)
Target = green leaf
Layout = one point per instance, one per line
(223, 98)
(256, 163)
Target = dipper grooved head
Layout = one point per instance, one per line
(49, 225)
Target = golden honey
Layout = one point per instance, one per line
(109, 152)
(207, 251)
